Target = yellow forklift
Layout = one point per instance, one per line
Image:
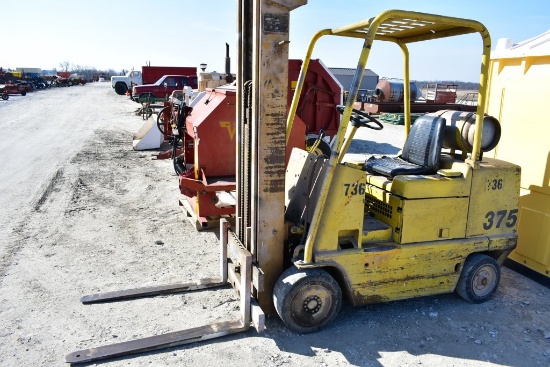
(435, 219)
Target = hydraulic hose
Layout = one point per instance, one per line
(178, 160)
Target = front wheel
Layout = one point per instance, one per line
(120, 89)
(162, 122)
(307, 300)
(479, 278)
(5, 96)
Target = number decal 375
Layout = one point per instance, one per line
(501, 217)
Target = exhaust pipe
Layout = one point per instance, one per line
(228, 77)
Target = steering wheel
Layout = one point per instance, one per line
(361, 118)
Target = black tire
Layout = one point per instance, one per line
(121, 89)
(479, 278)
(307, 300)
(23, 93)
(178, 161)
(160, 120)
(322, 149)
(5, 96)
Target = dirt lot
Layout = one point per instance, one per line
(83, 212)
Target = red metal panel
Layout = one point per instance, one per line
(212, 129)
(213, 122)
(321, 94)
(201, 193)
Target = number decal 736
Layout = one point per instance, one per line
(496, 219)
(354, 189)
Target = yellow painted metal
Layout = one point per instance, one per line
(407, 89)
(495, 199)
(385, 207)
(411, 237)
(400, 27)
(428, 211)
(520, 86)
(533, 248)
(345, 203)
(375, 232)
(437, 186)
(433, 219)
(380, 273)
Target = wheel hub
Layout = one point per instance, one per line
(312, 304)
(484, 281)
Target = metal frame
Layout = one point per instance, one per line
(401, 27)
(235, 269)
(259, 228)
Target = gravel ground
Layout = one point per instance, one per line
(84, 213)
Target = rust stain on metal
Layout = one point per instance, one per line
(360, 299)
(274, 186)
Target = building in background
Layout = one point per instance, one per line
(345, 77)
(29, 72)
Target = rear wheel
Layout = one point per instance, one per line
(5, 96)
(479, 278)
(161, 120)
(120, 89)
(307, 300)
(23, 93)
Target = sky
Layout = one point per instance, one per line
(124, 34)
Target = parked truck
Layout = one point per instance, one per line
(147, 75)
(163, 87)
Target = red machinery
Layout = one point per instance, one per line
(208, 159)
(322, 92)
(389, 95)
(12, 89)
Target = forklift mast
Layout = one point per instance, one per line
(262, 78)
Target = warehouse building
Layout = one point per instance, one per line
(345, 77)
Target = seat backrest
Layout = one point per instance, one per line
(423, 145)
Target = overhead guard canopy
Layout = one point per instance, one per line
(400, 27)
(403, 27)
(407, 26)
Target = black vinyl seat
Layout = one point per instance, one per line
(420, 154)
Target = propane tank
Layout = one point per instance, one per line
(460, 128)
(393, 91)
